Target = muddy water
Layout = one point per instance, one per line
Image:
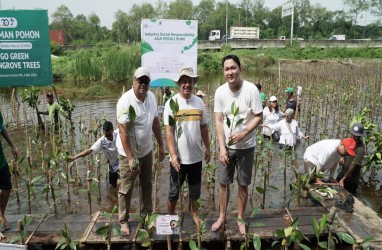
(90, 112)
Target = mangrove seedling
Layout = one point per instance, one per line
(145, 233)
(109, 229)
(232, 125)
(32, 98)
(66, 241)
(22, 227)
(290, 234)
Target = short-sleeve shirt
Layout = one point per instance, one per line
(249, 102)
(323, 154)
(190, 141)
(141, 130)
(109, 148)
(3, 160)
(52, 110)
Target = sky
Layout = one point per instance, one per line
(105, 9)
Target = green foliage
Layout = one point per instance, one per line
(109, 229)
(31, 96)
(66, 241)
(56, 49)
(232, 125)
(26, 221)
(144, 235)
(290, 235)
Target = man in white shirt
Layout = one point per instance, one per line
(137, 120)
(237, 140)
(107, 143)
(325, 156)
(186, 150)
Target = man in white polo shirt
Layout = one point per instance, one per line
(135, 144)
(325, 155)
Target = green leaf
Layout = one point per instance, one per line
(239, 122)
(228, 122)
(260, 190)
(192, 245)
(316, 229)
(323, 244)
(366, 242)
(36, 179)
(378, 155)
(61, 243)
(323, 222)
(171, 121)
(132, 114)
(142, 235)
(73, 245)
(104, 230)
(114, 210)
(346, 237)
(116, 231)
(63, 175)
(288, 231)
(304, 247)
(179, 132)
(151, 221)
(233, 108)
(256, 242)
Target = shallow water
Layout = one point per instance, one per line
(98, 109)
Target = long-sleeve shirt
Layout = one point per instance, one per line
(52, 109)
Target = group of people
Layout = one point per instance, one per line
(129, 148)
(185, 121)
(324, 155)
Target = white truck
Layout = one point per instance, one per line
(214, 35)
(338, 37)
(245, 32)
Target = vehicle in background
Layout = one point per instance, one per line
(244, 32)
(214, 35)
(338, 37)
(225, 37)
(283, 38)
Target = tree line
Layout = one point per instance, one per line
(311, 21)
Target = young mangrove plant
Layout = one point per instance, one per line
(110, 228)
(145, 233)
(232, 125)
(22, 227)
(66, 242)
(290, 234)
(32, 98)
(251, 237)
(201, 228)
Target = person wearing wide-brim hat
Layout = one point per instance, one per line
(351, 166)
(291, 102)
(185, 148)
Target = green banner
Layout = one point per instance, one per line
(24, 48)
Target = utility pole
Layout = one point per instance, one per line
(226, 21)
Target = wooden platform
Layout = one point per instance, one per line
(361, 223)
(46, 229)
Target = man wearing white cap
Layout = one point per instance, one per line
(351, 171)
(135, 144)
(186, 149)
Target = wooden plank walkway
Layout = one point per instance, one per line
(361, 223)
(46, 229)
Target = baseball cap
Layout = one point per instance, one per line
(187, 71)
(273, 98)
(142, 71)
(200, 93)
(290, 112)
(289, 90)
(349, 144)
(357, 129)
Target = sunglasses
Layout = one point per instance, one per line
(143, 80)
(274, 101)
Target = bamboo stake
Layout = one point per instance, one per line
(67, 181)
(89, 183)
(29, 197)
(50, 174)
(99, 178)
(15, 179)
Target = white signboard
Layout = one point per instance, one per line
(166, 46)
(167, 224)
(287, 9)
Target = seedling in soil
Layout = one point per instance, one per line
(145, 233)
(109, 229)
(22, 227)
(66, 242)
(232, 125)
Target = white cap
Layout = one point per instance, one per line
(200, 93)
(273, 98)
(142, 71)
(187, 71)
